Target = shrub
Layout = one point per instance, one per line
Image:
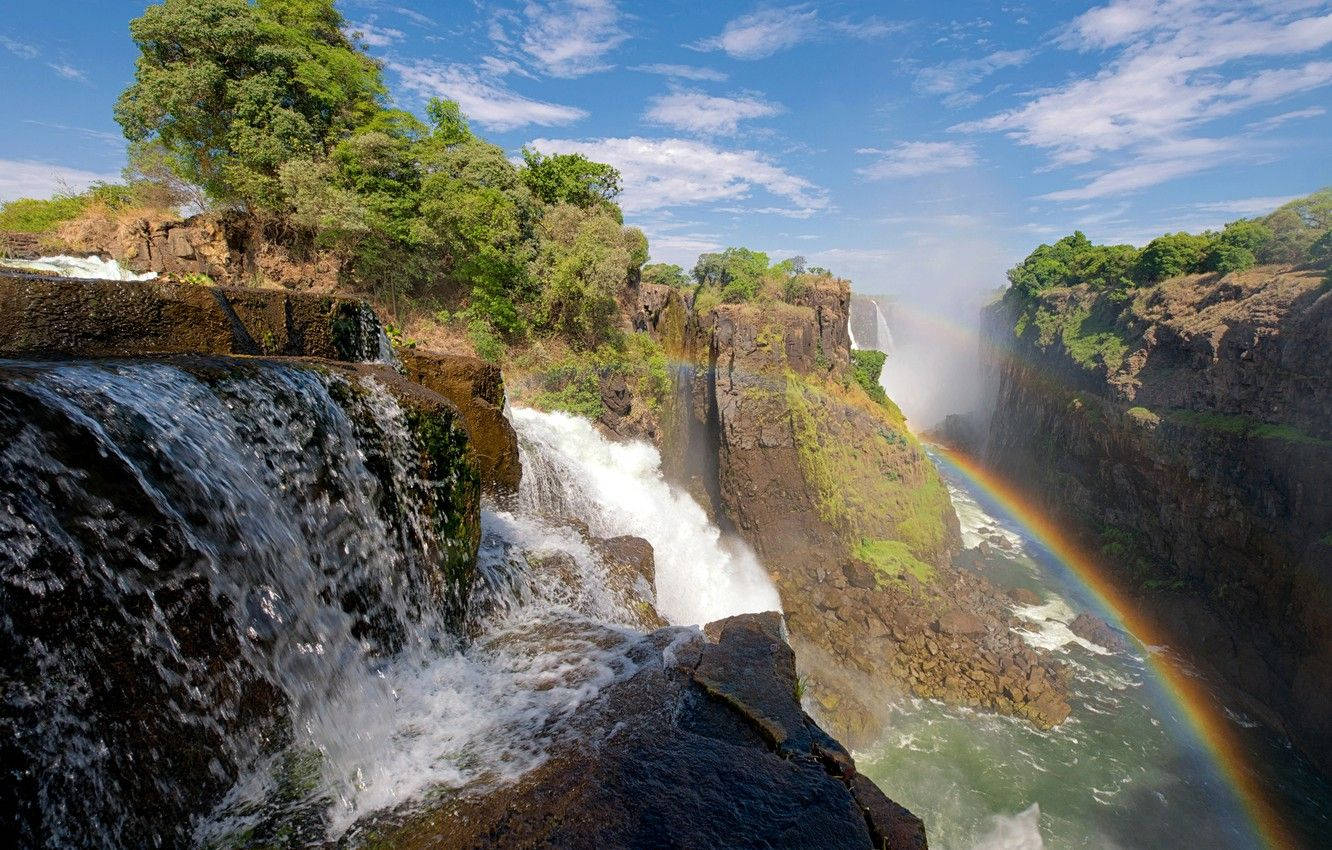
(867, 365)
(31, 215)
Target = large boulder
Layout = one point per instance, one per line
(704, 746)
(51, 316)
(477, 389)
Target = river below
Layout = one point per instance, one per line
(1127, 770)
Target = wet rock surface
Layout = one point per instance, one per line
(704, 746)
(50, 316)
(477, 389)
(1093, 628)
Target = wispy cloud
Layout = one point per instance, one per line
(1246, 206)
(1175, 65)
(952, 79)
(696, 112)
(682, 72)
(373, 35)
(483, 99)
(768, 31)
(29, 179)
(664, 173)
(69, 72)
(100, 135)
(916, 159)
(1170, 161)
(566, 38)
(19, 48)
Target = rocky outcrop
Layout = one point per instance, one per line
(52, 316)
(1184, 433)
(845, 510)
(477, 389)
(232, 250)
(705, 746)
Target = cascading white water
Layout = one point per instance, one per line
(570, 470)
(92, 267)
(252, 545)
(883, 336)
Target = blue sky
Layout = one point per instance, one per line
(916, 147)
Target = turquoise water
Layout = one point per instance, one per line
(1125, 771)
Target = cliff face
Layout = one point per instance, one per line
(1186, 434)
(771, 430)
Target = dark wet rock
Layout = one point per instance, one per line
(133, 653)
(631, 574)
(476, 388)
(1093, 628)
(46, 316)
(681, 755)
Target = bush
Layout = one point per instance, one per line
(867, 365)
(31, 215)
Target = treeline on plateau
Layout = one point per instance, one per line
(1298, 233)
(271, 109)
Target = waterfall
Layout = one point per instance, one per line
(883, 336)
(92, 267)
(221, 618)
(570, 470)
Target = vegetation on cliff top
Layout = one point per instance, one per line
(270, 109)
(1299, 232)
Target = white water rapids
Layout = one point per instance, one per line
(91, 268)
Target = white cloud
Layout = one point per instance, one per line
(683, 72)
(915, 159)
(954, 77)
(28, 179)
(482, 99)
(664, 173)
(1173, 160)
(19, 48)
(768, 31)
(1175, 65)
(1285, 117)
(69, 72)
(570, 38)
(373, 35)
(1247, 206)
(696, 112)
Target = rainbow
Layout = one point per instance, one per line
(1204, 716)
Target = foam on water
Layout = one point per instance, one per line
(1052, 618)
(570, 470)
(92, 267)
(1021, 831)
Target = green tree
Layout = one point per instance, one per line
(1173, 254)
(582, 265)
(1237, 247)
(737, 272)
(569, 178)
(234, 90)
(1295, 227)
(666, 274)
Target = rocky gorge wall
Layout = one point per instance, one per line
(770, 429)
(1185, 434)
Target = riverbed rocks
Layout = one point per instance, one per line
(1195, 455)
(705, 746)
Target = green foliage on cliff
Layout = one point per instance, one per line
(273, 109)
(572, 383)
(1288, 235)
(866, 366)
(1090, 337)
(1243, 426)
(892, 560)
(869, 477)
(666, 274)
(739, 275)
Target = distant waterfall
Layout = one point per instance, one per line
(570, 470)
(884, 337)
